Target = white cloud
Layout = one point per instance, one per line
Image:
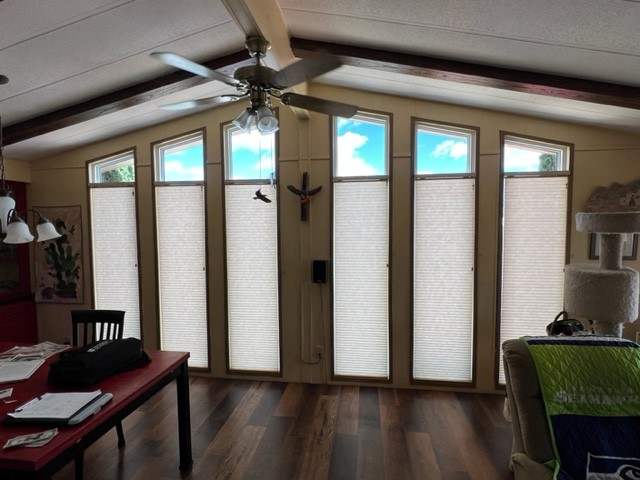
(264, 165)
(253, 141)
(350, 163)
(451, 149)
(346, 123)
(521, 160)
(177, 170)
(258, 145)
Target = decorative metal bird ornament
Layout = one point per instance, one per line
(261, 196)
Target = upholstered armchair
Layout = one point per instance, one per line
(532, 446)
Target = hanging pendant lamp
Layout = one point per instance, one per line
(14, 229)
(7, 203)
(18, 230)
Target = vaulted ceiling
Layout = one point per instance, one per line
(80, 70)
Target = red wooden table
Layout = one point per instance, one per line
(130, 390)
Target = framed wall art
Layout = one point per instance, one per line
(58, 262)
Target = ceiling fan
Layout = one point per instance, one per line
(259, 84)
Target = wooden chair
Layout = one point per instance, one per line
(92, 326)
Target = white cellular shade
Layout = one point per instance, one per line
(361, 279)
(444, 246)
(252, 279)
(533, 255)
(115, 254)
(182, 270)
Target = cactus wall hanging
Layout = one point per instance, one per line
(58, 262)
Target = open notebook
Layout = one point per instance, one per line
(60, 408)
(14, 371)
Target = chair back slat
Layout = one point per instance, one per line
(96, 325)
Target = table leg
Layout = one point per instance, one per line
(184, 417)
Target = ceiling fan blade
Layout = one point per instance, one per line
(319, 105)
(202, 102)
(304, 70)
(182, 63)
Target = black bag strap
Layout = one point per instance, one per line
(562, 314)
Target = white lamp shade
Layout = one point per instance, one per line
(267, 122)
(46, 231)
(7, 203)
(246, 120)
(18, 232)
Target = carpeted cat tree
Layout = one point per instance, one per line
(607, 294)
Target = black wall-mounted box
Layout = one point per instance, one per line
(319, 271)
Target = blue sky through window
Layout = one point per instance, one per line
(523, 159)
(440, 153)
(184, 164)
(361, 148)
(252, 156)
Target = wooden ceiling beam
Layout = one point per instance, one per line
(264, 18)
(120, 99)
(473, 74)
(429, 67)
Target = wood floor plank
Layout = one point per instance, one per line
(369, 408)
(370, 454)
(369, 457)
(290, 462)
(267, 455)
(271, 397)
(344, 465)
(275, 435)
(444, 445)
(317, 457)
(412, 417)
(235, 424)
(473, 455)
(208, 429)
(347, 423)
(424, 463)
(206, 397)
(394, 445)
(486, 419)
(206, 465)
(240, 453)
(277, 431)
(291, 400)
(262, 466)
(303, 425)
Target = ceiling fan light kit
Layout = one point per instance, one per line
(259, 115)
(246, 120)
(266, 120)
(258, 83)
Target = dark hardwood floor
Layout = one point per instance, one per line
(272, 430)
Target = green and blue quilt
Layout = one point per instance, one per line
(591, 389)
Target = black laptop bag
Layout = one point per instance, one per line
(96, 361)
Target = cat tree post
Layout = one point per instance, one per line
(607, 294)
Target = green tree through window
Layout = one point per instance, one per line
(117, 175)
(547, 162)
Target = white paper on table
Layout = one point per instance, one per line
(55, 405)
